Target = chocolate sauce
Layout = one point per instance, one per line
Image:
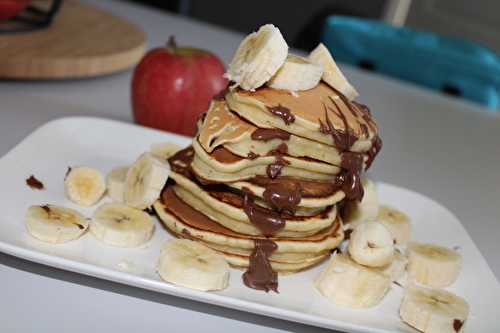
(267, 221)
(46, 208)
(282, 112)
(251, 155)
(34, 183)
(283, 198)
(366, 115)
(282, 149)
(187, 234)
(362, 107)
(364, 130)
(67, 172)
(180, 162)
(457, 324)
(273, 170)
(260, 274)
(202, 117)
(352, 163)
(266, 134)
(397, 284)
(374, 150)
(347, 234)
(343, 140)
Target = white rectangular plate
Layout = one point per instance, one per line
(105, 144)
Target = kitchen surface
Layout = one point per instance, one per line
(440, 146)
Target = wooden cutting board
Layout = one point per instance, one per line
(82, 41)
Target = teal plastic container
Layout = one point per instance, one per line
(451, 65)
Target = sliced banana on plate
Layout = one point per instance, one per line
(296, 74)
(164, 150)
(55, 224)
(396, 269)
(192, 265)
(433, 265)
(433, 310)
(347, 283)
(371, 244)
(144, 181)
(397, 222)
(367, 209)
(120, 225)
(115, 183)
(332, 74)
(258, 58)
(84, 185)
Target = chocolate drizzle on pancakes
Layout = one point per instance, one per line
(267, 221)
(282, 198)
(260, 274)
(352, 163)
(267, 134)
(350, 178)
(374, 150)
(282, 112)
(272, 181)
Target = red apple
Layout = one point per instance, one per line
(10, 8)
(172, 86)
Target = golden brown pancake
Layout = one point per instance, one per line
(172, 204)
(310, 109)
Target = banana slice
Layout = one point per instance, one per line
(164, 150)
(371, 244)
(347, 283)
(192, 265)
(84, 185)
(258, 58)
(397, 222)
(332, 74)
(433, 265)
(396, 269)
(120, 225)
(433, 310)
(144, 181)
(115, 183)
(55, 224)
(296, 74)
(356, 212)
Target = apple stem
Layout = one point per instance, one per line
(172, 44)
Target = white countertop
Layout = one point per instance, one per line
(439, 146)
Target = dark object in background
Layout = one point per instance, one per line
(33, 17)
(300, 21)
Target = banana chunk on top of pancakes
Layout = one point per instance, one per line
(276, 155)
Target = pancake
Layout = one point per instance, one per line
(212, 194)
(221, 127)
(222, 160)
(280, 265)
(309, 109)
(314, 194)
(204, 171)
(242, 262)
(278, 257)
(180, 218)
(223, 213)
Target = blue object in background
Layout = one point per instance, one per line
(451, 65)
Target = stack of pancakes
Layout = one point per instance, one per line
(264, 177)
